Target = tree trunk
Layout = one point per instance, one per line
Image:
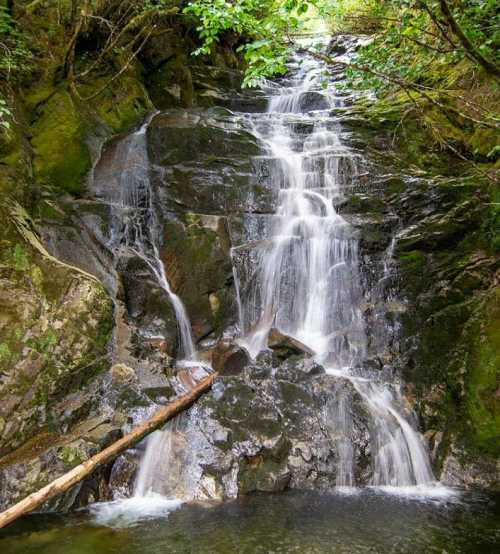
(488, 65)
(66, 481)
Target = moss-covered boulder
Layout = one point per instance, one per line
(55, 326)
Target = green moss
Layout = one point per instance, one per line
(121, 105)
(37, 277)
(48, 211)
(484, 143)
(492, 225)
(71, 457)
(20, 258)
(5, 353)
(45, 343)
(39, 95)
(483, 379)
(61, 157)
(413, 261)
(197, 268)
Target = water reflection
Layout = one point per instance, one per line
(366, 522)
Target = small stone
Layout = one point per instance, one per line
(122, 374)
(214, 303)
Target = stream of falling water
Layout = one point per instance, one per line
(308, 279)
(307, 284)
(141, 228)
(159, 483)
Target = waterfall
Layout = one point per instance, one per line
(136, 229)
(136, 226)
(308, 277)
(161, 467)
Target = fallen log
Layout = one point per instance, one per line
(66, 481)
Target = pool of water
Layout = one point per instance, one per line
(368, 522)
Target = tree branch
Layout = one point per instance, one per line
(487, 65)
(68, 480)
(123, 69)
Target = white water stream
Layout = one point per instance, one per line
(308, 283)
(135, 230)
(141, 228)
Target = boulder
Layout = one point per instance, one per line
(122, 374)
(285, 346)
(310, 101)
(229, 358)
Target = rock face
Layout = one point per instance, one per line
(285, 346)
(54, 331)
(229, 358)
(270, 428)
(86, 362)
(61, 330)
(198, 267)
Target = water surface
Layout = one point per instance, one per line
(307, 523)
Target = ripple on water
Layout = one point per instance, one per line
(346, 522)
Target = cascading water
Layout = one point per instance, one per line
(308, 278)
(135, 229)
(135, 226)
(305, 279)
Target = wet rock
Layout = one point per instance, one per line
(229, 358)
(267, 429)
(201, 242)
(298, 369)
(310, 101)
(203, 164)
(341, 44)
(159, 395)
(123, 473)
(285, 346)
(460, 469)
(29, 470)
(147, 303)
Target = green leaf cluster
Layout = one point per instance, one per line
(15, 54)
(264, 28)
(414, 43)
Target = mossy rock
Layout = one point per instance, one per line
(61, 157)
(121, 104)
(199, 269)
(55, 325)
(482, 380)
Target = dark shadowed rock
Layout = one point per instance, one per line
(123, 472)
(310, 101)
(198, 268)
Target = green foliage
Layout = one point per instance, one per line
(415, 44)
(263, 25)
(351, 16)
(5, 353)
(15, 55)
(20, 258)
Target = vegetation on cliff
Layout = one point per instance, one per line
(75, 72)
(430, 72)
(433, 66)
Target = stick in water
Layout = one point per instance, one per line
(66, 481)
